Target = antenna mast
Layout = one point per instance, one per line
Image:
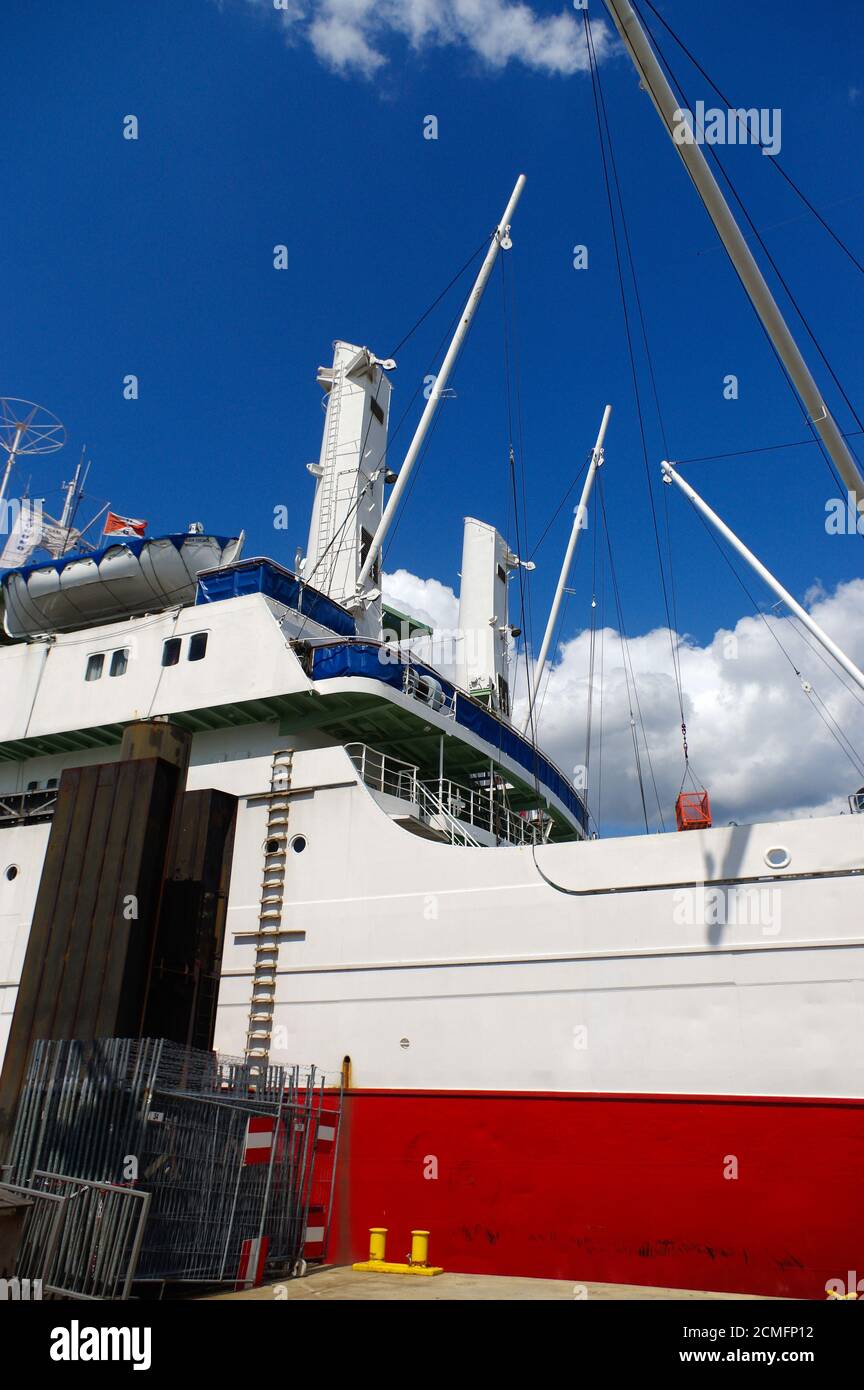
(578, 522)
(636, 42)
(500, 237)
(26, 428)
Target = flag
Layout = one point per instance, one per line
(57, 539)
(25, 536)
(123, 526)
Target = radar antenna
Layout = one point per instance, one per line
(26, 428)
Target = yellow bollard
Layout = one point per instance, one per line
(377, 1264)
(377, 1242)
(419, 1247)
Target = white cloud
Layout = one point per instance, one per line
(351, 36)
(756, 740)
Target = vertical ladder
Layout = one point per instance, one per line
(328, 478)
(261, 1008)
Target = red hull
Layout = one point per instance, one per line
(625, 1189)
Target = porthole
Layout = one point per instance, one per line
(778, 857)
(298, 844)
(12, 872)
(272, 846)
(404, 1042)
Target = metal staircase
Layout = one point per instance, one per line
(261, 1008)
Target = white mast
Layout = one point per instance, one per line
(71, 493)
(670, 476)
(653, 79)
(578, 523)
(500, 238)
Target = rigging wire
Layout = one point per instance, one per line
(774, 160)
(600, 106)
(524, 613)
(728, 180)
(824, 714)
(577, 479)
(761, 449)
(628, 663)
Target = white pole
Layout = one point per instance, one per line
(500, 235)
(578, 522)
(71, 489)
(653, 79)
(19, 433)
(670, 476)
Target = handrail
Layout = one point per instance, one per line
(22, 806)
(454, 804)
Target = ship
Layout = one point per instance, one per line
(555, 1054)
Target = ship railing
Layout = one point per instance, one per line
(17, 808)
(429, 692)
(448, 802)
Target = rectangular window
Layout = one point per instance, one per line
(171, 651)
(377, 410)
(94, 666)
(365, 543)
(503, 696)
(197, 646)
(119, 662)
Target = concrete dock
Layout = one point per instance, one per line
(341, 1283)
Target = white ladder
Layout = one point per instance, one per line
(328, 477)
(260, 1030)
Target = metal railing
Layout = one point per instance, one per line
(17, 808)
(216, 1153)
(81, 1239)
(429, 692)
(440, 800)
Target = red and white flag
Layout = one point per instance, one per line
(123, 526)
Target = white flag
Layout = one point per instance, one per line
(24, 537)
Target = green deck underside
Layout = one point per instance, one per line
(345, 717)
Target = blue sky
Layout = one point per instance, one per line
(155, 257)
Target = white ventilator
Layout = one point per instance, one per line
(350, 481)
(482, 653)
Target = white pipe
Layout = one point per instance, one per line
(669, 475)
(440, 382)
(653, 79)
(578, 521)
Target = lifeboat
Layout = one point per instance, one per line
(124, 579)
